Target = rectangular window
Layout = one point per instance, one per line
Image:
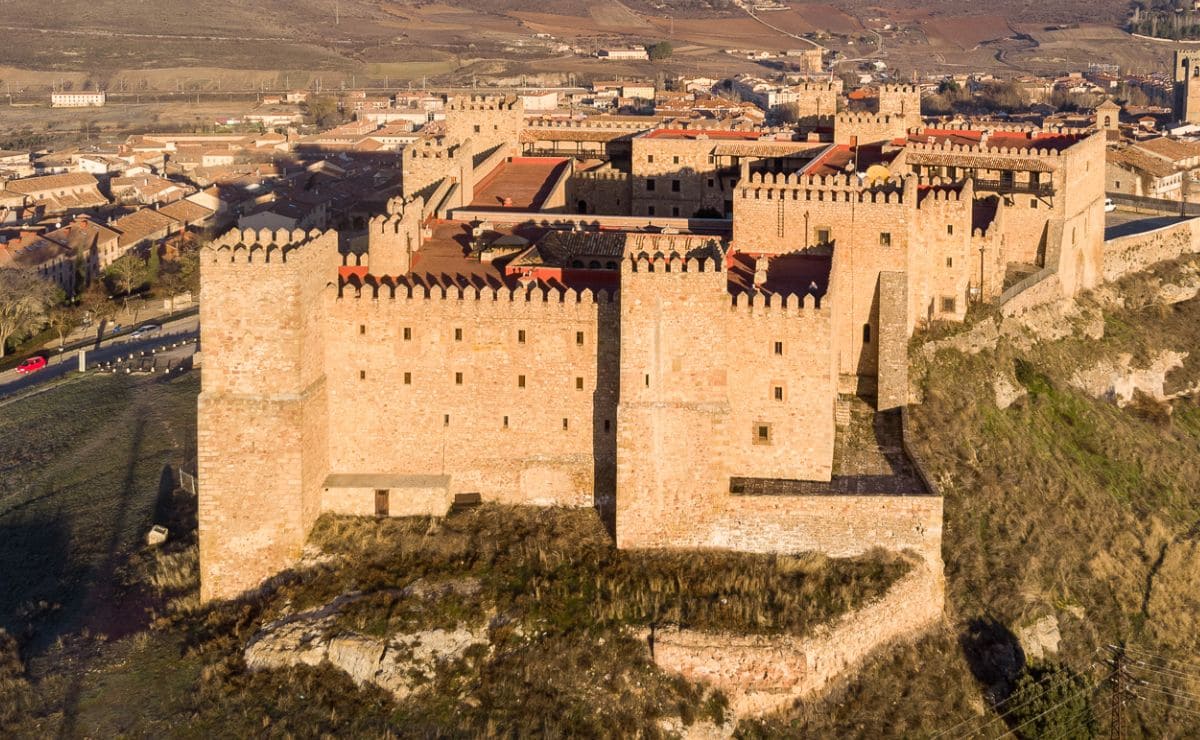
(650, 184)
(674, 186)
(607, 424)
(674, 160)
(446, 420)
(950, 229)
(564, 425)
(777, 392)
(408, 378)
(647, 380)
(521, 336)
(779, 348)
(458, 335)
(362, 328)
(579, 338)
(649, 210)
(476, 128)
(650, 158)
(407, 333)
(381, 502)
(520, 381)
(822, 236)
(885, 239)
(458, 378)
(712, 183)
(762, 434)
(362, 374)
(1033, 202)
(948, 305)
(866, 333)
(578, 384)
(675, 211)
(949, 262)
(506, 422)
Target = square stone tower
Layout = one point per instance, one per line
(1187, 86)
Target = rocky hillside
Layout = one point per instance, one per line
(1064, 441)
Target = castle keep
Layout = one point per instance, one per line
(667, 324)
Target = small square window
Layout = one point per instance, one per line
(408, 378)
(362, 374)
(458, 335)
(407, 333)
(458, 378)
(777, 392)
(822, 236)
(712, 183)
(520, 336)
(362, 328)
(1033, 202)
(675, 186)
(650, 158)
(885, 238)
(649, 210)
(520, 381)
(948, 305)
(579, 338)
(762, 434)
(650, 184)
(674, 160)
(476, 128)
(578, 384)
(779, 348)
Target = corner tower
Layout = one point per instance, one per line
(261, 427)
(1187, 86)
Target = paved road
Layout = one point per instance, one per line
(1123, 223)
(186, 328)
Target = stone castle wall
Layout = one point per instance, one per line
(1135, 252)
(510, 395)
(667, 161)
(762, 674)
(699, 379)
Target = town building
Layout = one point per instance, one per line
(78, 99)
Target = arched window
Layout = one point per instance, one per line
(576, 263)
(593, 265)
(1108, 122)
(610, 265)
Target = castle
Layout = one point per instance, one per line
(663, 322)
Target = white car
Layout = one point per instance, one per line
(145, 331)
(1109, 206)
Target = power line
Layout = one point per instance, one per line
(1172, 707)
(1069, 697)
(1005, 701)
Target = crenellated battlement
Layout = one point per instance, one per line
(483, 103)
(671, 262)
(764, 303)
(859, 118)
(899, 89)
(355, 287)
(616, 175)
(943, 190)
(589, 124)
(846, 188)
(436, 147)
(263, 246)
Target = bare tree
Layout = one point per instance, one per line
(24, 300)
(125, 274)
(63, 319)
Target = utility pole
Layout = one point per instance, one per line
(1117, 700)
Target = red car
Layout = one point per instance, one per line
(31, 365)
